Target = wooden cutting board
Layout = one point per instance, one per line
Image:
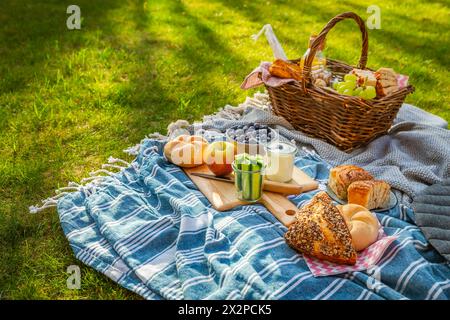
(222, 195)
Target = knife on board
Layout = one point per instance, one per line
(272, 186)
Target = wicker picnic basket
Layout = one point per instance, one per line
(344, 121)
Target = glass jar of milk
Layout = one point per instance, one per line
(280, 161)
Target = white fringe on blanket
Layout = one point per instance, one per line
(89, 184)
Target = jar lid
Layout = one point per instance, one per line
(281, 147)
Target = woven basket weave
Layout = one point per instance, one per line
(344, 121)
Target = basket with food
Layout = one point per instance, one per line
(344, 105)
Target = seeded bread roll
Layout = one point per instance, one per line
(342, 176)
(321, 231)
(371, 194)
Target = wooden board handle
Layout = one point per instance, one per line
(281, 207)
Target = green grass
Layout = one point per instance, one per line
(70, 99)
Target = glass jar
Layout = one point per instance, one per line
(280, 161)
(248, 183)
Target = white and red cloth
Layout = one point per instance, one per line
(366, 258)
(262, 75)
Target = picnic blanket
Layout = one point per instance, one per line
(414, 154)
(148, 228)
(432, 213)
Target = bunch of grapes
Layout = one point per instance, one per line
(349, 87)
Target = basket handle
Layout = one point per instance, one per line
(306, 72)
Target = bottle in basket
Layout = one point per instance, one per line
(319, 61)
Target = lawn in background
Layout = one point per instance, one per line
(70, 99)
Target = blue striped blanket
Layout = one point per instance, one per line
(149, 229)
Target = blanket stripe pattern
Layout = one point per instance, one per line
(149, 229)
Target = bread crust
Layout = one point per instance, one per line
(365, 77)
(370, 194)
(321, 231)
(387, 81)
(285, 69)
(342, 176)
(362, 223)
(186, 151)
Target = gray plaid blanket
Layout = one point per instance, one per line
(414, 154)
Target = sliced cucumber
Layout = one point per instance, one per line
(257, 165)
(238, 179)
(246, 166)
(256, 186)
(248, 181)
(237, 175)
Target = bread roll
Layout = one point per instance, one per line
(387, 81)
(363, 225)
(321, 231)
(371, 194)
(342, 176)
(186, 150)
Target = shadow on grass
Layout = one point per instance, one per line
(33, 33)
(203, 53)
(178, 66)
(406, 40)
(149, 98)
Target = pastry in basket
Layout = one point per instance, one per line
(362, 224)
(321, 231)
(186, 150)
(285, 69)
(365, 77)
(342, 176)
(371, 194)
(387, 81)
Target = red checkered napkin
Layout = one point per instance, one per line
(366, 258)
(402, 81)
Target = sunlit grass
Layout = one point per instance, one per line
(69, 99)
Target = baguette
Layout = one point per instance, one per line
(285, 69)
